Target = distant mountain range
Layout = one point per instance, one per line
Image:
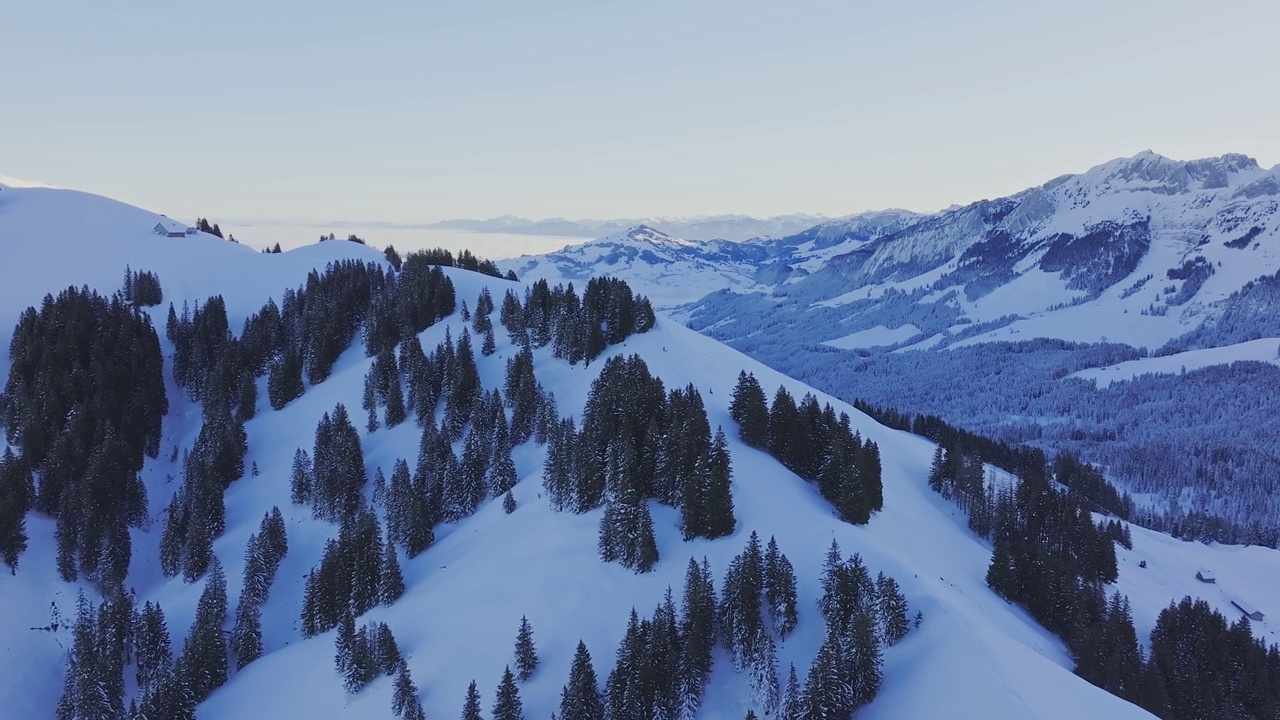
(712, 227)
(1084, 276)
(1138, 250)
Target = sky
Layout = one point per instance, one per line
(432, 109)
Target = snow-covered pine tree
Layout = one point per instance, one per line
(557, 469)
(202, 665)
(390, 579)
(748, 407)
(464, 495)
(619, 702)
(16, 495)
(488, 343)
(891, 609)
(697, 631)
(790, 707)
(779, 589)
(718, 506)
(300, 478)
(344, 656)
(369, 400)
(379, 495)
(152, 651)
(626, 528)
(84, 693)
(526, 658)
(404, 700)
(580, 699)
(506, 704)
(400, 504)
(471, 706)
(386, 651)
(502, 476)
(246, 634)
(662, 661)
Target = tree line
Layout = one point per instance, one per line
(814, 443)
(1052, 558)
(83, 404)
(639, 442)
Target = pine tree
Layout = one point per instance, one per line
(489, 345)
(85, 691)
(16, 495)
(471, 706)
(369, 400)
(720, 521)
(152, 650)
(284, 384)
(580, 699)
(508, 503)
(390, 580)
(246, 634)
(790, 709)
(780, 589)
(662, 661)
(526, 655)
(891, 608)
(749, 409)
(386, 651)
(404, 702)
(379, 496)
(351, 656)
(697, 629)
(502, 476)
(507, 706)
(168, 698)
(300, 478)
(827, 693)
(203, 663)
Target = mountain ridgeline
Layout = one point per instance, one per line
(1141, 257)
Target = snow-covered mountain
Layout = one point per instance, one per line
(705, 227)
(1137, 250)
(974, 655)
(1139, 256)
(675, 271)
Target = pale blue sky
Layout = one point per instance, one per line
(412, 111)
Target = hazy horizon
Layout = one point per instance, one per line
(415, 113)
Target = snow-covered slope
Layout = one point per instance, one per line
(973, 656)
(55, 238)
(1262, 350)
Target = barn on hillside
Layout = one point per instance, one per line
(1249, 611)
(173, 228)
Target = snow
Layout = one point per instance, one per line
(1261, 350)
(12, 182)
(873, 337)
(1248, 573)
(973, 656)
(261, 234)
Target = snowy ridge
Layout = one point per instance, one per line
(973, 656)
(699, 227)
